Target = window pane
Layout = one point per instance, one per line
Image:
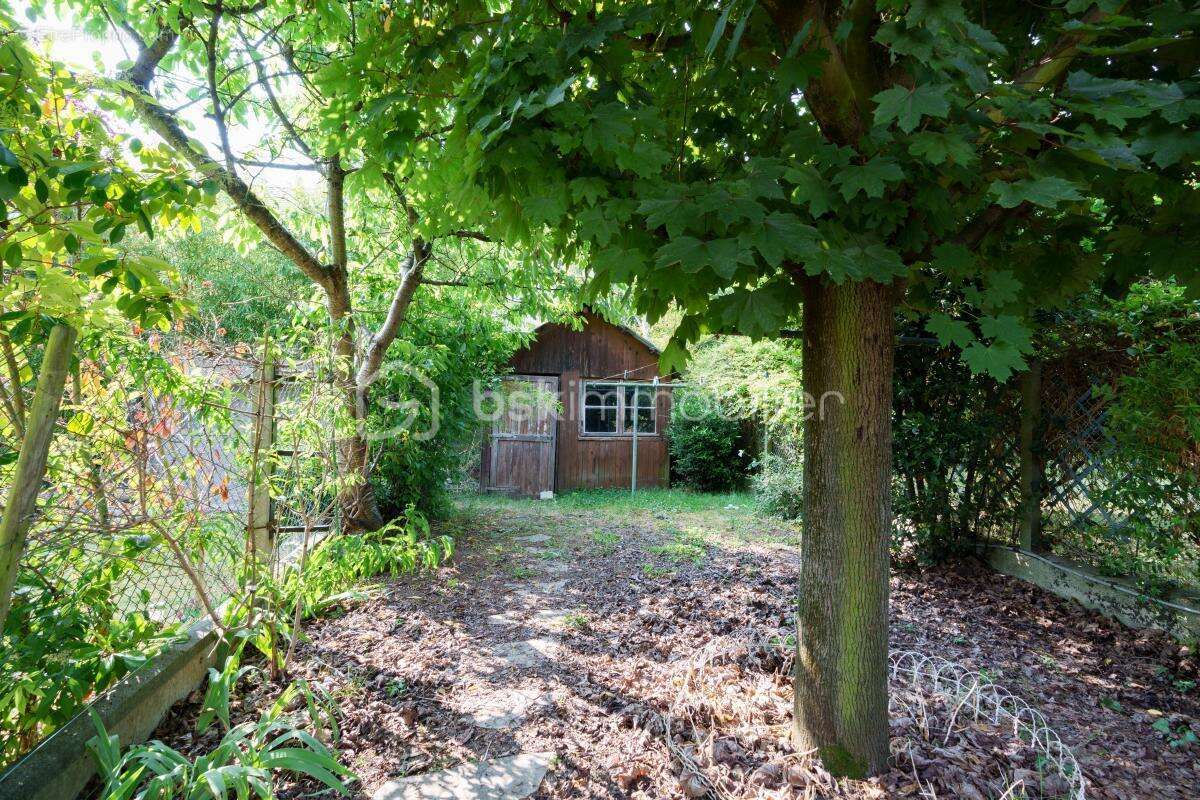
(600, 420)
(600, 394)
(645, 420)
(644, 395)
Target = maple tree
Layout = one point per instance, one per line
(747, 161)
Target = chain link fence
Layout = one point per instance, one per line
(147, 518)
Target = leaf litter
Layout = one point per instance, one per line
(678, 684)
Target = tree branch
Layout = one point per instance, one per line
(410, 279)
(149, 55)
(250, 162)
(210, 72)
(840, 96)
(482, 237)
(265, 81)
(162, 122)
(1054, 61)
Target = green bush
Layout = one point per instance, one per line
(64, 641)
(215, 278)
(779, 485)
(708, 449)
(452, 347)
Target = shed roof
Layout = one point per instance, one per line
(588, 311)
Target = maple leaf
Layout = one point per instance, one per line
(907, 106)
(937, 148)
(810, 189)
(997, 359)
(949, 331)
(1045, 192)
(782, 235)
(870, 178)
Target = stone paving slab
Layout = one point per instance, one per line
(550, 618)
(526, 654)
(536, 538)
(505, 708)
(510, 778)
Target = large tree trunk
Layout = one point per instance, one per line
(842, 656)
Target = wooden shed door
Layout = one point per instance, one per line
(523, 438)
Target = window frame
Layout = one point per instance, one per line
(622, 408)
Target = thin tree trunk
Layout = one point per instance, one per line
(1033, 470)
(841, 663)
(31, 463)
(360, 511)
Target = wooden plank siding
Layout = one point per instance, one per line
(597, 352)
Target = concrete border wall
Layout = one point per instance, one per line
(1114, 598)
(61, 765)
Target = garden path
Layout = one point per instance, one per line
(544, 660)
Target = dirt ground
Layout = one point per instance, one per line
(645, 644)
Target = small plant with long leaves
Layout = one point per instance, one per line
(243, 764)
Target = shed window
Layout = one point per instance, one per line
(612, 408)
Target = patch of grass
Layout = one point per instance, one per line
(655, 571)
(577, 620)
(678, 552)
(520, 572)
(606, 541)
(787, 642)
(689, 544)
(549, 555)
(675, 500)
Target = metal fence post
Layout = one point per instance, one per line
(261, 523)
(1033, 468)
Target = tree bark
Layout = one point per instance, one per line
(360, 510)
(842, 623)
(31, 463)
(1033, 470)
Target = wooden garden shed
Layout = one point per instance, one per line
(586, 406)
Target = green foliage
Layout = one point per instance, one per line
(239, 297)
(779, 485)
(1177, 737)
(1156, 421)
(708, 446)
(65, 640)
(70, 196)
(1139, 353)
(343, 563)
(608, 137)
(760, 384)
(242, 764)
(953, 472)
(754, 381)
(456, 344)
(266, 608)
